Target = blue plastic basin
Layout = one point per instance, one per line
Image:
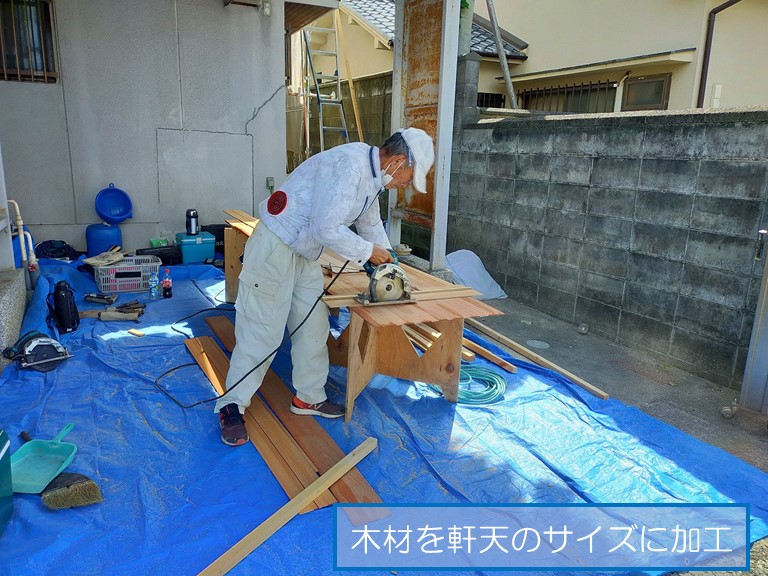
(113, 205)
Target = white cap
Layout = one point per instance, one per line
(423, 152)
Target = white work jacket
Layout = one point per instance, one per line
(323, 197)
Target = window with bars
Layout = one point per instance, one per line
(489, 100)
(592, 97)
(26, 41)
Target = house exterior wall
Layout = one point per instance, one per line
(738, 56)
(611, 29)
(644, 227)
(169, 100)
(367, 56)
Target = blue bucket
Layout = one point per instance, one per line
(113, 205)
(101, 237)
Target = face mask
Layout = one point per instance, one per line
(386, 178)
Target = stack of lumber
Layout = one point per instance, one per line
(296, 448)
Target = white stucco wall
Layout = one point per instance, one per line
(739, 49)
(564, 33)
(178, 102)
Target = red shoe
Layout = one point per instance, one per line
(325, 409)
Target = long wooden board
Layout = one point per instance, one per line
(488, 355)
(309, 435)
(259, 535)
(531, 355)
(339, 300)
(244, 217)
(293, 470)
(424, 312)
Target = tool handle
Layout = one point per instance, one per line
(107, 316)
(369, 268)
(24, 436)
(66, 430)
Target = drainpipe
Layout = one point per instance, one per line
(465, 27)
(708, 48)
(22, 244)
(620, 92)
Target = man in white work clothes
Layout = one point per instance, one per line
(282, 279)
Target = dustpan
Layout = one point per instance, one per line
(37, 462)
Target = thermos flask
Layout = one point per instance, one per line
(65, 308)
(193, 224)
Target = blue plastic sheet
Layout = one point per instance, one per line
(176, 498)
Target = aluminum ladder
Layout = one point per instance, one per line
(325, 82)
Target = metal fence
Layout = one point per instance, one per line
(591, 97)
(26, 41)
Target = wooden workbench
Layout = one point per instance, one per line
(375, 341)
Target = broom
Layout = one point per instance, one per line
(68, 489)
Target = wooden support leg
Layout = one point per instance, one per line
(449, 343)
(362, 359)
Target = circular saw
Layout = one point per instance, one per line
(388, 284)
(37, 351)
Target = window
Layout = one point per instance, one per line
(593, 97)
(646, 92)
(488, 100)
(26, 41)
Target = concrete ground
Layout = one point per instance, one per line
(670, 394)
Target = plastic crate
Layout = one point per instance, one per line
(131, 274)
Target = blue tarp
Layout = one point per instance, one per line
(176, 498)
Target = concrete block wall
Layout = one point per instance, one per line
(642, 226)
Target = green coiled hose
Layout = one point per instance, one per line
(478, 386)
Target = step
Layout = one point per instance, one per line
(13, 303)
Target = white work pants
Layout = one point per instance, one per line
(277, 287)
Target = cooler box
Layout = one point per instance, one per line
(195, 248)
(6, 486)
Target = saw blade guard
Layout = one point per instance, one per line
(388, 284)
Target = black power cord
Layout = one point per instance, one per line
(185, 407)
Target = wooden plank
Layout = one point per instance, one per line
(293, 470)
(272, 455)
(488, 355)
(348, 285)
(244, 217)
(295, 458)
(424, 312)
(224, 330)
(206, 357)
(433, 334)
(215, 365)
(309, 435)
(240, 227)
(417, 338)
(234, 244)
(540, 360)
(339, 300)
(255, 538)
